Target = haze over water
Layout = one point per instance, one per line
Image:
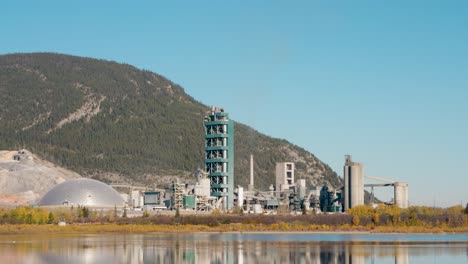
(235, 248)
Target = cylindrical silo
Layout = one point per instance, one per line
(354, 183)
(346, 188)
(401, 194)
(240, 197)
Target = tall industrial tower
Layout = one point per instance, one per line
(353, 183)
(219, 158)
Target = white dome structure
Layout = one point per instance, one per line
(83, 192)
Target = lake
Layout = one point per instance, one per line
(235, 248)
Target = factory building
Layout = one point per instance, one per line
(284, 176)
(219, 159)
(354, 183)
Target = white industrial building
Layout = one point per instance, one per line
(284, 176)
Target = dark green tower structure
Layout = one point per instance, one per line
(219, 156)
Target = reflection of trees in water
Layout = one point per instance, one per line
(211, 248)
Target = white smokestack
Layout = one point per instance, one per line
(251, 185)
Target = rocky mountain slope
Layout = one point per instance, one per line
(117, 123)
(24, 177)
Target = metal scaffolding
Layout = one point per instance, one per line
(177, 195)
(219, 156)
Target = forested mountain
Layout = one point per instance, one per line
(117, 123)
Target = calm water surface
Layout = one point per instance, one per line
(235, 248)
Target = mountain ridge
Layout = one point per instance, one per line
(115, 122)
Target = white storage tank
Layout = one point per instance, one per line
(203, 188)
(135, 199)
(257, 209)
(240, 197)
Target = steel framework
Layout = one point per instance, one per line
(219, 156)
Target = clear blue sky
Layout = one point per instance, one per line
(385, 81)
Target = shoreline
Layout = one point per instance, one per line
(106, 228)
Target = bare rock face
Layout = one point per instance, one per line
(24, 178)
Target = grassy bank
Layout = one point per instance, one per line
(93, 228)
(385, 219)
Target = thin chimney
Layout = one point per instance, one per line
(251, 185)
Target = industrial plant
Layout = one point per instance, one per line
(213, 188)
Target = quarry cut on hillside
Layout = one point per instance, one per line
(25, 178)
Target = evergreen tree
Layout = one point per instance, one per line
(85, 212)
(177, 213)
(51, 218)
